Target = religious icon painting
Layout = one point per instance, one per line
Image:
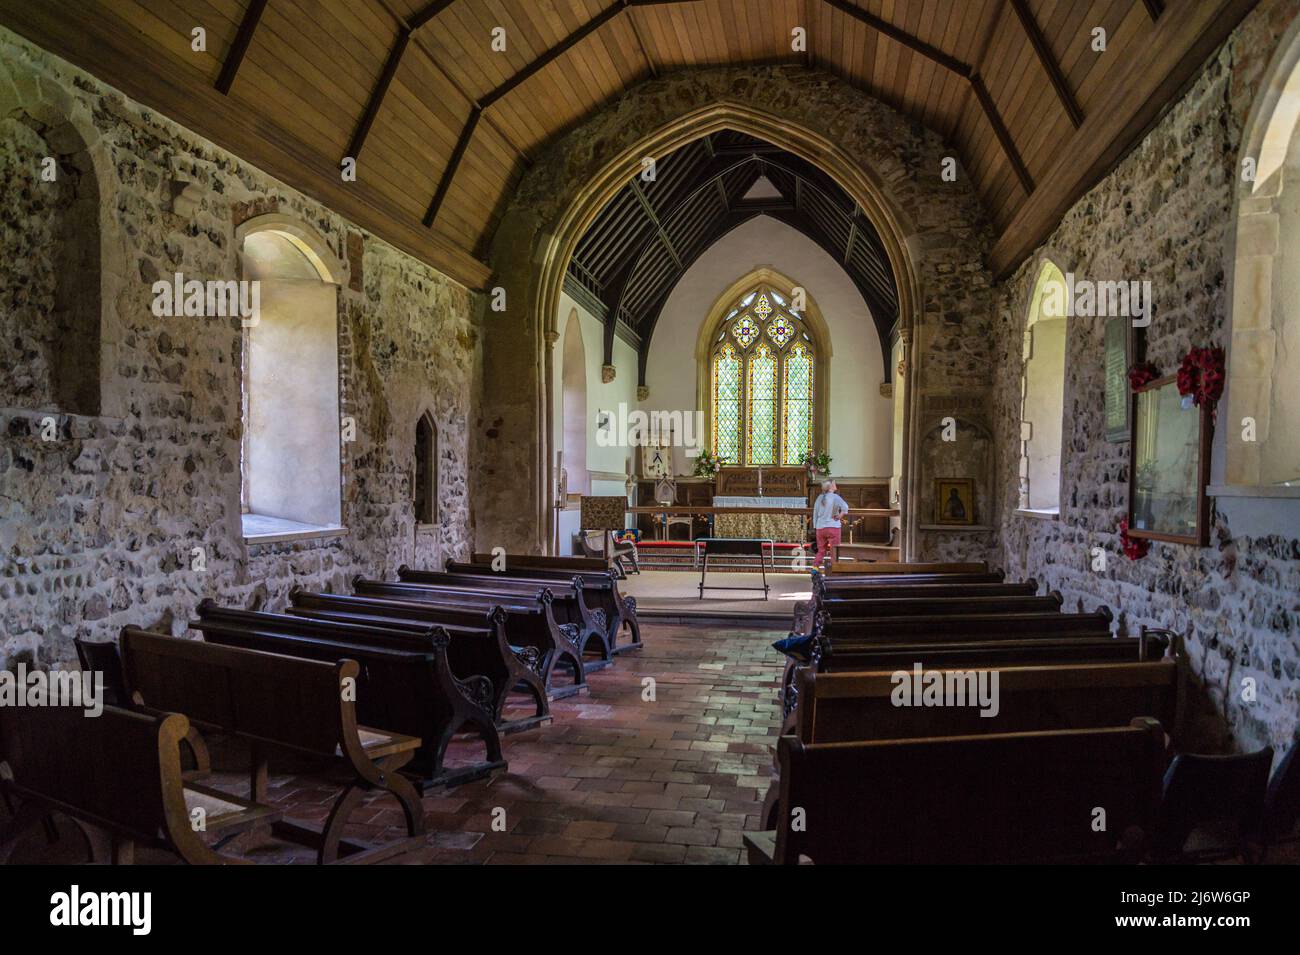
(954, 501)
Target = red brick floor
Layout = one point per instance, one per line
(614, 777)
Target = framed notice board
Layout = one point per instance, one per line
(1118, 358)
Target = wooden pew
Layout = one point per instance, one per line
(1010, 649)
(900, 568)
(601, 584)
(824, 584)
(602, 590)
(995, 798)
(272, 701)
(479, 644)
(840, 707)
(830, 611)
(890, 588)
(533, 620)
(407, 682)
(937, 628)
(574, 609)
(118, 777)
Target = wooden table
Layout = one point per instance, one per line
(739, 546)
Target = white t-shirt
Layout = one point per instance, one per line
(827, 510)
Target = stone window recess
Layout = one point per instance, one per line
(50, 316)
(291, 460)
(424, 486)
(1042, 391)
(1261, 444)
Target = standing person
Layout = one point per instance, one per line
(829, 512)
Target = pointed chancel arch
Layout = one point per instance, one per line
(763, 372)
(1043, 391)
(533, 250)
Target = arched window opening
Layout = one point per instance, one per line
(763, 381)
(1262, 444)
(573, 402)
(1043, 393)
(291, 459)
(425, 484)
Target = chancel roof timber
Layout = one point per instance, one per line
(446, 125)
(654, 229)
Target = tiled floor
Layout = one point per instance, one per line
(630, 771)
(627, 772)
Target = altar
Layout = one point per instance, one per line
(787, 528)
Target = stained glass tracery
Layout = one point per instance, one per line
(763, 383)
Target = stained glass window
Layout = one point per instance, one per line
(726, 405)
(798, 387)
(762, 407)
(763, 385)
(745, 330)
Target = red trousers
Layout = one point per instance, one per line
(828, 538)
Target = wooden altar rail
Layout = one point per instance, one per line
(805, 511)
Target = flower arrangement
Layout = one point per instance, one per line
(1201, 376)
(1141, 374)
(1135, 548)
(706, 465)
(818, 463)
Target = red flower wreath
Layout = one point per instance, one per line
(1135, 548)
(1142, 374)
(1201, 375)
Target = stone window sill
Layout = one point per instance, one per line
(956, 528)
(1259, 491)
(1040, 513)
(260, 529)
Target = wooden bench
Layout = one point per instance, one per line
(532, 619)
(118, 777)
(272, 701)
(836, 583)
(829, 611)
(601, 588)
(839, 707)
(406, 681)
(995, 798)
(937, 628)
(479, 644)
(1010, 649)
(574, 602)
(890, 568)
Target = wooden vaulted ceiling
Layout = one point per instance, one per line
(650, 233)
(444, 126)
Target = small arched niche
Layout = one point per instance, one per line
(291, 453)
(50, 342)
(1042, 391)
